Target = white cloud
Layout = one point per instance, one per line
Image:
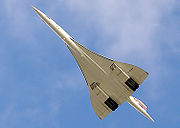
(18, 19)
(128, 30)
(128, 27)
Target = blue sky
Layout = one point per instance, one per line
(41, 84)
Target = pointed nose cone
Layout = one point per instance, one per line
(41, 14)
(37, 11)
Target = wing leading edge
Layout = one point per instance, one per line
(110, 83)
(105, 96)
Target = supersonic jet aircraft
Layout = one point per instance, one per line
(110, 83)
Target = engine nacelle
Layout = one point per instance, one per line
(103, 96)
(124, 77)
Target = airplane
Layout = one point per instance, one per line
(110, 83)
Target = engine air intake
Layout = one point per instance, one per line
(111, 104)
(132, 84)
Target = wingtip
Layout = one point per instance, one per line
(99, 117)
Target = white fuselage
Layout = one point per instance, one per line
(84, 58)
(59, 31)
(66, 38)
(135, 104)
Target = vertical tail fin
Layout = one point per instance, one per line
(138, 105)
